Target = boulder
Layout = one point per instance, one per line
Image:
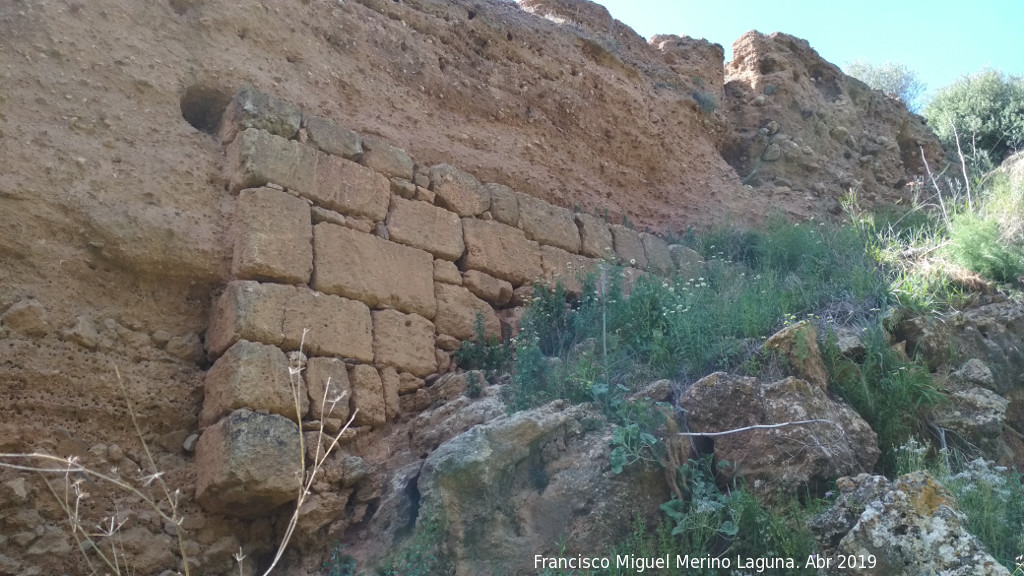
(248, 464)
(534, 482)
(798, 344)
(780, 460)
(993, 334)
(910, 526)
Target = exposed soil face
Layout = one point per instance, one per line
(113, 210)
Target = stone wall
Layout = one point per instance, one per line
(373, 267)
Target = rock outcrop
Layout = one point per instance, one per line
(908, 526)
(788, 458)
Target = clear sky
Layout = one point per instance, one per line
(941, 40)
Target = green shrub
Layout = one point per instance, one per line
(483, 352)
(987, 109)
(706, 101)
(891, 393)
(895, 80)
(976, 244)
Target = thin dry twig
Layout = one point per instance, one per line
(758, 427)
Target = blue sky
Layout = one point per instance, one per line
(941, 40)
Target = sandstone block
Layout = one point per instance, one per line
(404, 341)
(333, 139)
(251, 108)
(324, 215)
(277, 314)
(629, 247)
(569, 270)
(403, 188)
(250, 375)
(501, 251)
(329, 389)
(391, 381)
(386, 158)
(457, 310)
(367, 395)
(426, 227)
(349, 188)
(372, 270)
(417, 401)
(248, 310)
(487, 287)
(458, 191)
(273, 237)
(333, 326)
(659, 259)
(504, 204)
(257, 157)
(247, 464)
(548, 224)
(447, 272)
(447, 343)
(595, 237)
(688, 263)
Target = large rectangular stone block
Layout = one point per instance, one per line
(457, 310)
(426, 227)
(504, 204)
(251, 375)
(367, 395)
(334, 326)
(333, 139)
(387, 159)
(569, 270)
(372, 270)
(501, 251)
(405, 341)
(273, 237)
(257, 157)
(659, 259)
(247, 464)
(629, 247)
(349, 188)
(595, 237)
(277, 314)
(329, 389)
(548, 224)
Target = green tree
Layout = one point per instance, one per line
(987, 111)
(894, 79)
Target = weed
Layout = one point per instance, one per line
(706, 101)
(484, 352)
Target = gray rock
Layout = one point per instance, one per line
(333, 139)
(910, 525)
(254, 109)
(387, 159)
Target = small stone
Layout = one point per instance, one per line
(189, 445)
(188, 347)
(82, 333)
(115, 453)
(387, 159)
(28, 317)
(423, 194)
(325, 215)
(160, 337)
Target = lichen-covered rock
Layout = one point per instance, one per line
(251, 108)
(333, 139)
(910, 526)
(247, 464)
(519, 485)
(798, 344)
(785, 459)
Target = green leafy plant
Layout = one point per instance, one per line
(631, 445)
(484, 352)
(985, 109)
(896, 80)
